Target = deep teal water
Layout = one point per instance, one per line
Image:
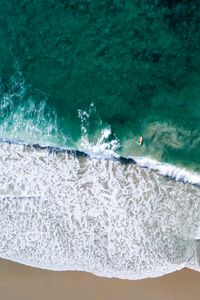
(136, 62)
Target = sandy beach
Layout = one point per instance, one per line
(20, 282)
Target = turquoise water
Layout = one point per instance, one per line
(136, 62)
(94, 76)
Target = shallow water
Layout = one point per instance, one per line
(65, 212)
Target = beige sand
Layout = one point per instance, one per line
(18, 282)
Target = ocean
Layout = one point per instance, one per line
(80, 82)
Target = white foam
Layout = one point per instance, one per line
(103, 143)
(62, 212)
(178, 173)
(28, 119)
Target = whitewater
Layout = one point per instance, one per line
(77, 192)
(63, 210)
(90, 209)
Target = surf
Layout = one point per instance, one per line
(93, 203)
(63, 210)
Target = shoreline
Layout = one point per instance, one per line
(17, 281)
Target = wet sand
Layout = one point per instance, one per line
(20, 282)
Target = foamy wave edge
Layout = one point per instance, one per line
(177, 173)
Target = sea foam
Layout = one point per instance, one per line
(93, 210)
(62, 211)
(178, 173)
